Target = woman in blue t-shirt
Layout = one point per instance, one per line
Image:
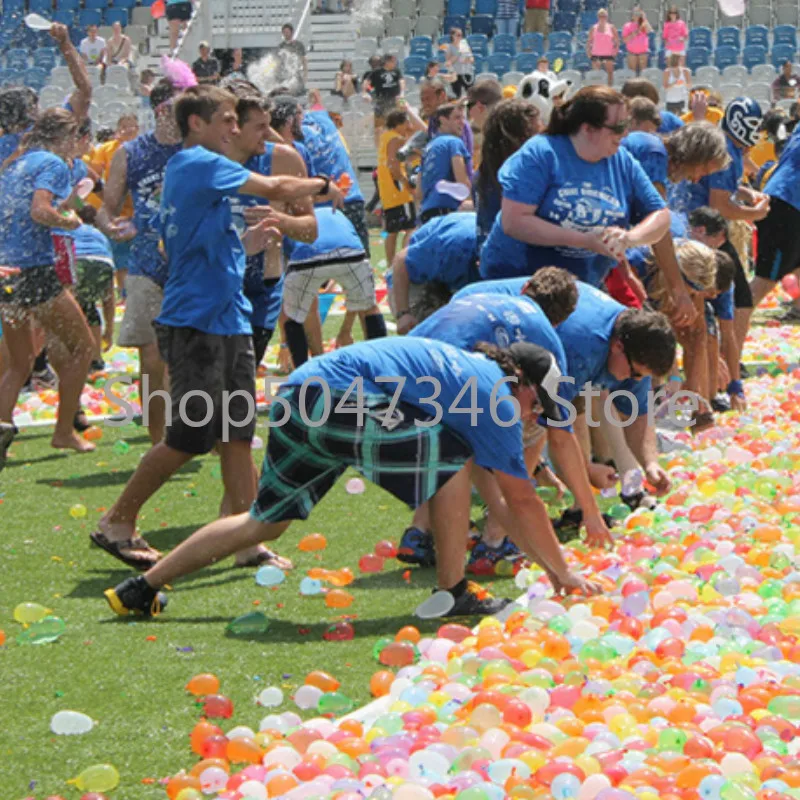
(446, 160)
(570, 195)
(35, 185)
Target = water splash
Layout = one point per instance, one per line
(282, 68)
(371, 11)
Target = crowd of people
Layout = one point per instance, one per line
(547, 260)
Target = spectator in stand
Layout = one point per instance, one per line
(460, 61)
(235, 72)
(700, 108)
(293, 47)
(345, 84)
(635, 34)
(677, 85)
(507, 18)
(602, 45)
(119, 49)
(537, 16)
(93, 47)
(206, 68)
(387, 85)
(784, 87)
(178, 12)
(432, 70)
(543, 66)
(147, 79)
(675, 35)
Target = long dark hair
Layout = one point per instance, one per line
(589, 106)
(50, 129)
(503, 359)
(509, 125)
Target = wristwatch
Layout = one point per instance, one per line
(327, 185)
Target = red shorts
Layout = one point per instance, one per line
(65, 258)
(618, 288)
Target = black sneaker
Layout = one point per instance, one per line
(7, 434)
(721, 404)
(136, 596)
(477, 602)
(416, 547)
(639, 500)
(44, 379)
(568, 526)
(97, 365)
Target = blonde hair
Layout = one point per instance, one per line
(698, 265)
(697, 143)
(740, 235)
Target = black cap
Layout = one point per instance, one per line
(539, 367)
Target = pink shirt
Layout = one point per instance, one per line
(603, 43)
(640, 43)
(675, 35)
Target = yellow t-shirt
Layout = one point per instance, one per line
(762, 151)
(100, 160)
(713, 115)
(391, 195)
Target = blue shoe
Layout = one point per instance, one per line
(483, 558)
(416, 547)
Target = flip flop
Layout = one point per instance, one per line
(116, 549)
(268, 557)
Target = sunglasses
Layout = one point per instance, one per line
(635, 374)
(619, 128)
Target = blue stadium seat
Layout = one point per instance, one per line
(564, 21)
(478, 65)
(580, 61)
(757, 35)
(11, 77)
(486, 7)
(620, 61)
(505, 43)
(68, 5)
(112, 15)
(10, 6)
(594, 5)
(782, 53)
(454, 21)
(754, 54)
(40, 7)
(76, 34)
(701, 37)
(482, 24)
(561, 40)
(45, 57)
(573, 6)
(415, 66)
(661, 59)
(526, 62)
(728, 37)
(499, 63)
(97, 5)
(531, 43)
(445, 39)
(421, 46)
(17, 58)
(479, 43)
(65, 17)
(6, 37)
(35, 77)
(89, 16)
(587, 19)
(698, 57)
(458, 8)
(784, 34)
(129, 4)
(726, 55)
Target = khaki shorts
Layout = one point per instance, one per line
(142, 306)
(532, 432)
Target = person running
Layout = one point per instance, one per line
(417, 449)
(204, 332)
(35, 183)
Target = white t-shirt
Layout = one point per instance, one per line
(92, 50)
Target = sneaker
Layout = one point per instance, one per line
(639, 500)
(7, 434)
(484, 558)
(416, 547)
(98, 365)
(791, 314)
(477, 602)
(568, 526)
(721, 404)
(44, 378)
(136, 596)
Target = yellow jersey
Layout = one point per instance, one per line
(100, 160)
(390, 193)
(762, 151)
(713, 115)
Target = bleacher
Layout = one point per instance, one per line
(733, 54)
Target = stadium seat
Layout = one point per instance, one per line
(531, 43)
(478, 65)
(764, 73)
(454, 21)
(580, 61)
(40, 6)
(621, 75)
(11, 77)
(89, 16)
(59, 76)
(526, 62)
(422, 46)
(595, 77)
(499, 64)
(65, 17)
(11, 6)
(704, 17)
(404, 8)
(618, 17)
(730, 91)
(395, 45)
(573, 77)
(701, 37)
(759, 91)
(786, 15)
(432, 8)
(486, 7)
(757, 35)
(587, 19)
(504, 43)
(479, 43)
(112, 15)
(118, 76)
(35, 77)
(17, 58)
(725, 56)
(482, 24)
(784, 34)
(728, 37)
(782, 53)
(51, 96)
(45, 57)
(735, 73)
(707, 76)
(443, 40)
(564, 21)
(399, 26)
(594, 5)
(441, 56)
(697, 57)
(458, 8)
(513, 78)
(754, 54)
(561, 41)
(654, 75)
(759, 15)
(415, 66)
(129, 4)
(97, 5)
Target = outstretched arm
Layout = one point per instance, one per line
(81, 98)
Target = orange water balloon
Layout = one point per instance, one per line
(322, 680)
(312, 543)
(203, 684)
(336, 598)
(381, 682)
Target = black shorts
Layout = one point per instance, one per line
(181, 11)
(205, 370)
(355, 213)
(95, 278)
(432, 213)
(778, 241)
(261, 339)
(400, 218)
(302, 462)
(32, 287)
(711, 321)
(742, 294)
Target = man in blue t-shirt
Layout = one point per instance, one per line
(441, 257)
(412, 415)
(204, 330)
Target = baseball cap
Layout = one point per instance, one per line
(539, 367)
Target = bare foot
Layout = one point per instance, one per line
(116, 531)
(72, 442)
(259, 555)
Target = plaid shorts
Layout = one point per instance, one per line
(303, 462)
(355, 213)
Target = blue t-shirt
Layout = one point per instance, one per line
(78, 170)
(444, 249)
(723, 304)
(497, 319)
(437, 166)
(784, 183)
(305, 155)
(91, 243)
(23, 242)
(337, 240)
(204, 289)
(509, 286)
(669, 122)
(487, 207)
(586, 335)
(648, 149)
(146, 161)
(686, 196)
(494, 447)
(546, 172)
(8, 144)
(328, 153)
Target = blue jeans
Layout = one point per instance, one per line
(507, 25)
